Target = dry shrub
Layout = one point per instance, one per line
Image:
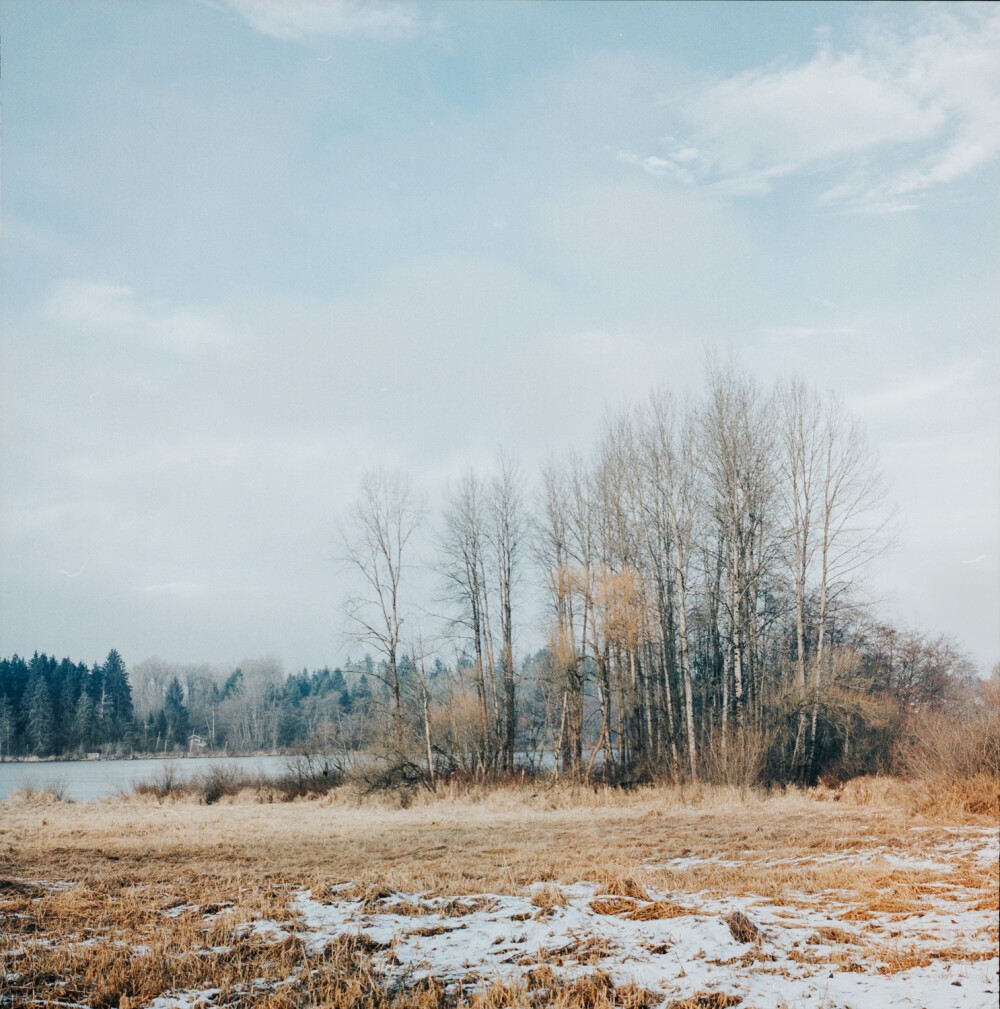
(956, 757)
(946, 796)
(41, 795)
(742, 762)
(872, 790)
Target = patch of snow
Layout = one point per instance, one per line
(185, 999)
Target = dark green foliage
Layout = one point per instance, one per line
(178, 724)
(50, 707)
(38, 704)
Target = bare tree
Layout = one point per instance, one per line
(508, 529)
(673, 509)
(463, 547)
(854, 524)
(737, 457)
(380, 526)
(801, 439)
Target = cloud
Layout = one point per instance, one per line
(304, 19)
(903, 112)
(917, 388)
(103, 308)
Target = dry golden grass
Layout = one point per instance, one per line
(658, 909)
(623, 886)
(143, 875)
(459, 842)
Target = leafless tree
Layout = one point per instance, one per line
(463, 545)
(673, 505)
(737, 458)
(507, 536)
(375, 539)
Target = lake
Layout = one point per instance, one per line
(86, 780)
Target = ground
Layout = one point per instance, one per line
(521, 896)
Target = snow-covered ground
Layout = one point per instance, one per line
(923, 937)
(822, 950)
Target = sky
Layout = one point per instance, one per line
(252, 248)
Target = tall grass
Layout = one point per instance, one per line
(306, 775)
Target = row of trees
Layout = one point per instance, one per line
(702, 570)
(48, 706)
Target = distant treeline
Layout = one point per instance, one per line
(702, 571)
(52, 707)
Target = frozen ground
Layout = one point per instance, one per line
(932, 947)
(921, 933)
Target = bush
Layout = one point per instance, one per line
(956, 756)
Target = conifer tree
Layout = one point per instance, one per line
(39, 708)
(83, 722)
(178, 721)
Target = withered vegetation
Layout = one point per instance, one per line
(113, 904)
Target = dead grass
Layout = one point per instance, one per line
(706, 1000)
(658, 909)
(624, 886)
(548, 896)
(144, 874)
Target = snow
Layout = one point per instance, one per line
(823, 950)
(678, 956)
(848, 964)
(185, 999)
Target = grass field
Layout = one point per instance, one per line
(520, 896)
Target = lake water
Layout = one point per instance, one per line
(86, 780)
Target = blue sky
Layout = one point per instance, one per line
(251, 248)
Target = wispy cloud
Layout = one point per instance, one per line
(895, 116)
(915, 389)
(108, 309)
(304, 19)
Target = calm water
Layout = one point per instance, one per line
(85, 780)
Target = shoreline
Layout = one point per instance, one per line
(202, 755)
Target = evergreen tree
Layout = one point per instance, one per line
(7, 726)
(178, 721)
(39, 711)
(116, 709)
(162, 729)
(83, 722)
(362, 695)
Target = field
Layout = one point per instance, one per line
(521, 896)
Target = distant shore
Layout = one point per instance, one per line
(179, 755)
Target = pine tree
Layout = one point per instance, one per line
(39, 709)
(162, 729)
(83, 722)
(6, 726)
(178, 721)
(116, 709)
